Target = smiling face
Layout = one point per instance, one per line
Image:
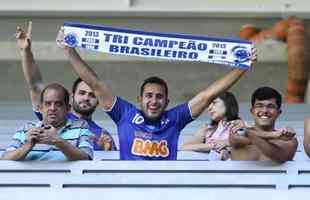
(84, 100)
(217, 110)
(265, 113)
(153, 101)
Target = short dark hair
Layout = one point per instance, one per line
(58, 87)
(231, 105)
(75, 84)
(154, 80)
(265, 93)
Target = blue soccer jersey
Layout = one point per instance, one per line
(142, 140)
(92, 126)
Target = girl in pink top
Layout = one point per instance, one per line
(213, 138)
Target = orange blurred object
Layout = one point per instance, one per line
(247, 31)
(292, 31)
(261, 36)
(296, 49)
(280, 29)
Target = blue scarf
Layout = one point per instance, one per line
(181, 47)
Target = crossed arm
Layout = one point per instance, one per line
(276, 145)
(277, 149)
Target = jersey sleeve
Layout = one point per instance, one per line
(182, 115)
(119, 109)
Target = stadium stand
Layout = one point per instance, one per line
(292, 116)
(153, 180)
(191, 176)
(214, 18)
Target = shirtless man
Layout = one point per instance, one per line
(263, 141)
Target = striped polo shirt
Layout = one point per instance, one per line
(75, 132)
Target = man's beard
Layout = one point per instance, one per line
(85, 112)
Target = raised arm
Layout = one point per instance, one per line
(30, 69)
(84, 71)
(201, 101)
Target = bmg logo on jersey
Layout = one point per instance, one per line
(150, 148)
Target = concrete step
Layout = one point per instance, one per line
(160, 8)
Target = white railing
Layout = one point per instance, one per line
(154, 180)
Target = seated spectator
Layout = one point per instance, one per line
(213, 138)
(84, 101)
(55, 137)
(263, 141)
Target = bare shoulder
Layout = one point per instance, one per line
(307, 122)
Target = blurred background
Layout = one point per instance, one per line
(124, 74)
